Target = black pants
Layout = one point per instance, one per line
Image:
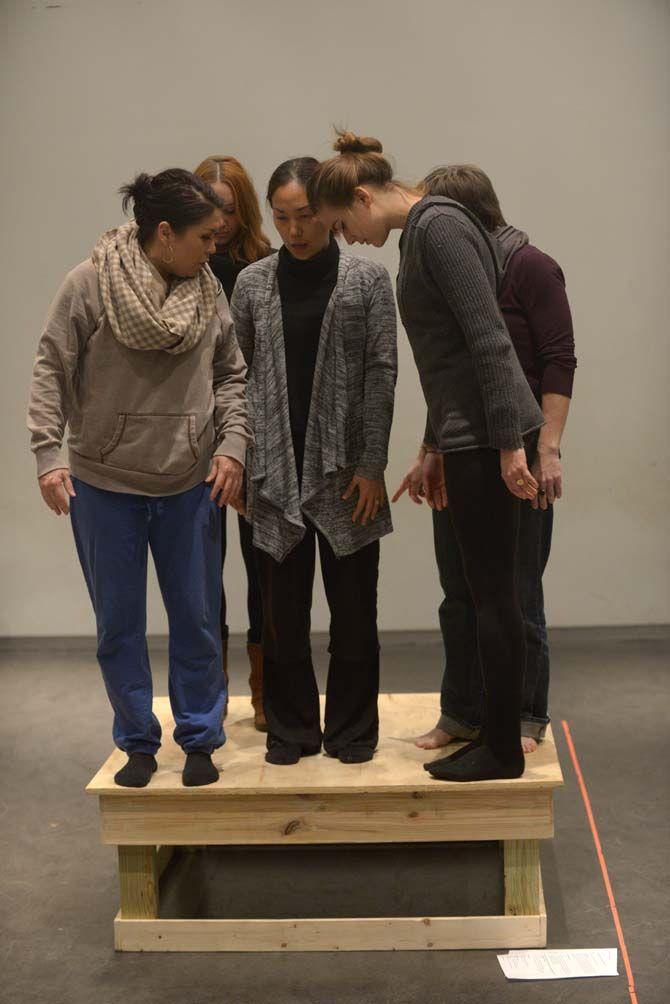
(254, 602)
(462, 694)
(485, 517)
(290, 693)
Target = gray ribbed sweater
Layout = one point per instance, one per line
(475, 389)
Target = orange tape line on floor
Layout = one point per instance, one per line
(603, 864)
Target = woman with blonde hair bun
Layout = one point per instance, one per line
(481, 412)
(240, 241)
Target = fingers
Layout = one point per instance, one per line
(370, 508)
(360, 506)
(46, 495)
(415, 491)
(55, 498)
(404, 486)
(521, 482)
(439, 498)
(350, 489)
(227, 481)
(529, 479)
(230, 488)
(69, 487)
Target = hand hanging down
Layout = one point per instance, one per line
(371, 497)
(225, 476)
(57, 489)
(515, 474)
(412, 483)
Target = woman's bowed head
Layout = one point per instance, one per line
(356, 193)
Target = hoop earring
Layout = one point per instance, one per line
(168, 261)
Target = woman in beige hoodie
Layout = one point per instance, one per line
(139, 359)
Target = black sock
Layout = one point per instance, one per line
(198, 770)
(137, 772)
(478, 764)
(453, 756)
(355, 754)
(282, 753)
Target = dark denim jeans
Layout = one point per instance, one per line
(462, 693)
(114, 532)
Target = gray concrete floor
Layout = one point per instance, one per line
(58, 885)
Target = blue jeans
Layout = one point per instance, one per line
(113, 532)
(462, 694)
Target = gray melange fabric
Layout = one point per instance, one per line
(475, 389)
(350, 415)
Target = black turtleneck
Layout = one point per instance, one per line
(226, 269)
(305, 287)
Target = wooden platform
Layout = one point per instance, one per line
(321, 801)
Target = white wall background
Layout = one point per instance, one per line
(563, 104)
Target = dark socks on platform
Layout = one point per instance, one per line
(137, 772)
(355, 754)
(284, 754)
(453, 756)
(477, 763)
(199, 770)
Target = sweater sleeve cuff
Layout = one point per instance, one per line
(506, 439)
(373, 472)
(558, 380)
(233, 445)
(50, 458)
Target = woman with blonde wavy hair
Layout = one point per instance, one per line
(240, 241)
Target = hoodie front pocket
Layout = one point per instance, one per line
(153, 444)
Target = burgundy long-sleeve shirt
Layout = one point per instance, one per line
(535, 308)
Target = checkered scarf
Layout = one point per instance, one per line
(125, 283)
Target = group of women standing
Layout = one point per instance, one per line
(198, 369)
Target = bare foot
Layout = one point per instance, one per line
(433, 740)
(529, 744)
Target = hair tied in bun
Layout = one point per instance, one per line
(349, 142)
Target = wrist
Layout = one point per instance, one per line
(550, 447)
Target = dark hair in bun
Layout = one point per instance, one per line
(176, 196)
(360, 161)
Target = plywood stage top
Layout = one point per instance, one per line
(396, 767)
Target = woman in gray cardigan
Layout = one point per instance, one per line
(318, 331)
(481, 411)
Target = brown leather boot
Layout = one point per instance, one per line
(224, 660)
(256, 683)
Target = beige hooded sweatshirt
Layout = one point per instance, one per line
(147, 422)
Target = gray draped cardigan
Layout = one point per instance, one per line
(350, 414)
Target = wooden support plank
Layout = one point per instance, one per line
(338, 818)
(138, 881)
(360, 934)
(522, 877)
